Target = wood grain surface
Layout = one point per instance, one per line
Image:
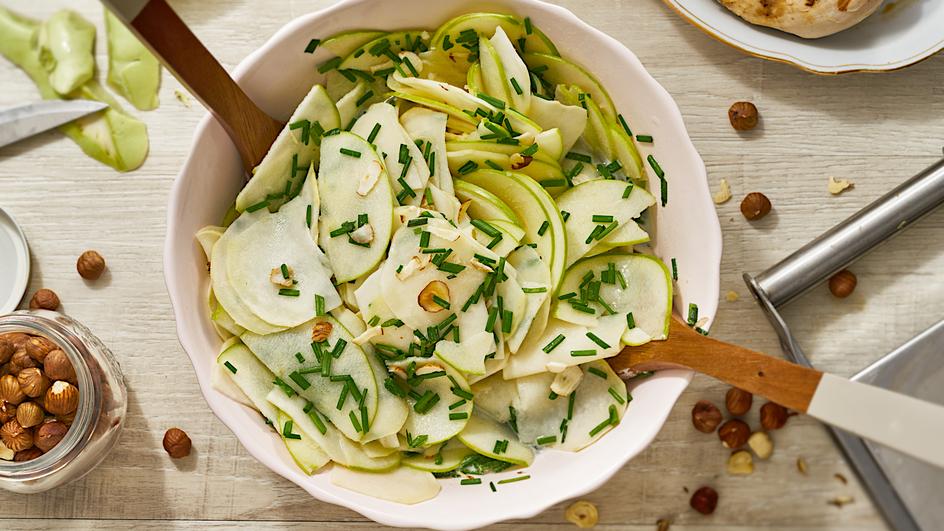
(874, 129)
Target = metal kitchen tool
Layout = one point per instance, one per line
(902, 488)
(25, 121)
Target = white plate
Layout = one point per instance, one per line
(277, 76)
(14, 263)
(898, 34)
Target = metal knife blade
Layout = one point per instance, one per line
(21, 122)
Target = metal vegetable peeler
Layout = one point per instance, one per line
(905, 490)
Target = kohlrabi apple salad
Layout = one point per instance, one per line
(425, 275)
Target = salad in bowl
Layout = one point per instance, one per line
(415, 294)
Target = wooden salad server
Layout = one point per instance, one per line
(169, 38)
(907, 424)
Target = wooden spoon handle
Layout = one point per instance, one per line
(159, 28)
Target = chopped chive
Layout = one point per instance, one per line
(458, 403)
(446, 43)
(674, 269)
(596, 372)
(364, 98)
(485, 227)
(426, 402)
(600, 427)
(494, 102)
(493, 165)
(552, 396)
(625, 126)
(553, 344)
(299, 357)
(308, 216)
(607, 230)
(284, 269)
(528, 29)
(356, 423)
(628, 190)
(565, 215)
(585, 352)
(329, 65)
(579, 157)
(451, 268)
(655, 166)
(319, 424)
(594, 234)
(230, 366)
(553, 183)
(547, 439)
(630, 321)
(516, 86)
(350, 153)
(513, 418)
(494, 242)
(492, 316)
(614, 166)
(692, 314)
(596, 339)
(471, 481)
(458, 416)
(312, 45)
(621, 279)
(326, 365)
(461, 393)
(404, 154)
(566, 296)
(616, 396)
(570, 404)
(598, 218)
(468, 167)
(258, 206)
(581, 307)
(543, 228)
(507, 319)
(417, 222)
(391, 322)
(287, 431)
(373, 132)
(289, 292)
(514, 479)
(365, 422)
(319, 305)
(283, 386)
(530, 150)
(299, 380)
(644, 138)
(542, 289)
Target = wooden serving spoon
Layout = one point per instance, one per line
(169, 38)
(912, 426)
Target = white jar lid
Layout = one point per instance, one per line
(14, 263)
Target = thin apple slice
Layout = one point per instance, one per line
(535, 280)
(597, 131)
(486, 24)
(483, 204)
(404, 485)
(647, 293)
(468, 355)
(516, 79)
(221, 377)
(627, 154)
(566, 344)
(559, 71)
(473, 80)
(347, 42)
(546, 172)
(292, 153)
(350, 105)
(601, 200)
(481, 434)
(446, 459)
(540, 215)
(403, 160)
(438, 410)
(493, 72)
(278, 353)
(307, 455)
(511, 236)
(430, 127)
(250, 375)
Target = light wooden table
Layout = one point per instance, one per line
(876, 129)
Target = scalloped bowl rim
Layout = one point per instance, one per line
(565, 474)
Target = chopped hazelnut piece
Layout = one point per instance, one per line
(740, 463)
(724, 192)
(761, 444)
(837, 186)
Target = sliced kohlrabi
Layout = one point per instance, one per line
(221, 377)
(592, 400)
(495, 396)
(278, 353)
(647, 293)
(565, 344)
(257, 245)
(516, 78)
(535, 280)
(597, 132)
(404, 485)
(570, 120)
(250, 375)
(539, 412)
(430, 127)
(286, 164)
(357, 210)
(438, 409)
(402, 158)
(468, 355)
(481, 433)
(599, 203)
(307, 455)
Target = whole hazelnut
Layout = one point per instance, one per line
(738, 401)
(773, 416)
(176, 443)
(27, 455)
(90, 265)
(21, 360)
(44, 299)
(705, 416)
(6, 348)
(743, 116)
(62, 398)
(66, 419)
(734, 433)
(704, 500)
(29, 414)
(842, 284)
(33, 382)
(49, 434)
(755, 205)
(38, 347)
(7, 411)
(16, 437)
(19, 339)
(10, 390)
(58, 366)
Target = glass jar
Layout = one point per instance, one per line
(103, 402)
